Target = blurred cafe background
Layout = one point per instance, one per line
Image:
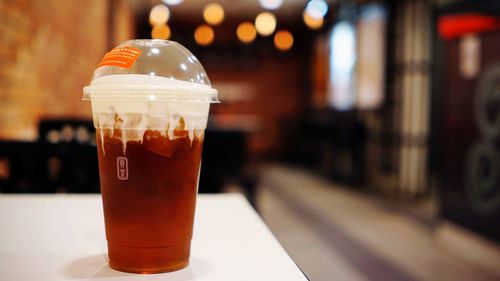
(366, 133)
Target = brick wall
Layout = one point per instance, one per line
(48, 51)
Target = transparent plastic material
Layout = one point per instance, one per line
(150, 116)
(164, 84)
(186, 79)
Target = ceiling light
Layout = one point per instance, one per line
(317, 8)
(271, 4)
(265, 23)
(283, 40)
(311, 22)
(172, 2)
(213, 13)
(161, 31)
(246, 32)
(204, 35)
(159, 15)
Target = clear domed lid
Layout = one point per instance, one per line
(150, 69)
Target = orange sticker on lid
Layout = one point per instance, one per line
(121, 57)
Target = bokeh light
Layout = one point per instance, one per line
(213, 14)
(246, 32)
(159, 15)
(160, 31)
(265, 23)
(204, 35)
(172, 2)
(271, 4)
(311, 22)
(283, 40)
(317, 8)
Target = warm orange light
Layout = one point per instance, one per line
(312, 22)
(213, 14)
(161, 31)
(204, 35)
(246, 32)
(265, 23)
(283, 40)
(159, 15)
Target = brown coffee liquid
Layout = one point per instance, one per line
(149, 193)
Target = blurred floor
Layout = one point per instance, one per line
(333, 233)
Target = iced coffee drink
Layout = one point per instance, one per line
(150, 120)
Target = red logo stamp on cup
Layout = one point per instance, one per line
(122, 168)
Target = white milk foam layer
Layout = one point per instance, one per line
(133, 116)
(143, 81)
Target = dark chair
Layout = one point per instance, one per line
(70, 144)
(19, 167)
(37, 167)
(63, 160)
(75, 131)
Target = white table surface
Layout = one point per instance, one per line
(61, 237)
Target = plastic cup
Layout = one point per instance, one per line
(150, 103)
